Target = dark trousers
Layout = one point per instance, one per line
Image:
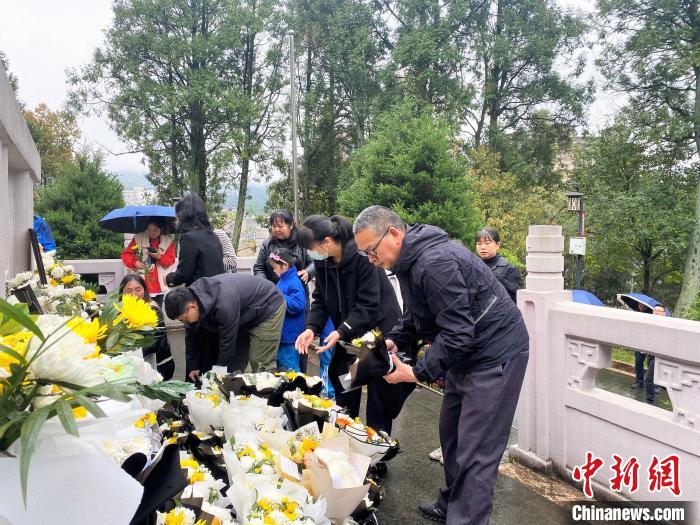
(377, 416)
(475, 422)
(639, 372)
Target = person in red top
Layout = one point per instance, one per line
(152, 254)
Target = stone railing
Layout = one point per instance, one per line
(563, 415)
(110, 272)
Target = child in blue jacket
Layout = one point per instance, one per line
(282, 263)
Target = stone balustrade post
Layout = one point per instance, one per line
(544, 285)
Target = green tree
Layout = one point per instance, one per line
(193, 85)
(5, 64)
(652, 53)
(81, 194)
(54, 133)
(411, 164)
(639, 203)
(515, 48)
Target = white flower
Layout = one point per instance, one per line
(64, 356)
(57, 272)
(129, 368)
(120, 449)
(47, 260)
(20, 279)
(12, 300)
(223, 515)
(185, 516)
(69, 268)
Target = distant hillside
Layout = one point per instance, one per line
(256, 190)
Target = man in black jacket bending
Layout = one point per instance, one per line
(480, 345)
(223, 306)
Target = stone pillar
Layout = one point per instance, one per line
(544, 285)
(5, 230)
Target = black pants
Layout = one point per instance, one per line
(475, 422)
(639, 372)
(377, 416)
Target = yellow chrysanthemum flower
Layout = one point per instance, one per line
(269, 520)
(136, 313)
(17, 342)
(80, 412)
(68, 278)
(189, 463)
(309, 445)
(53, 282)
(89, 295)
(265, 504)
(90, 331)
(146, 420)
(196, 476)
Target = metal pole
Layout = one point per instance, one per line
(293, 110)
(579, 258)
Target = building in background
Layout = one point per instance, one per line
(139, 196)
(20, 170)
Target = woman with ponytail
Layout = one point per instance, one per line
(357, 296)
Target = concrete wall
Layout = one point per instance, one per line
(563, 415)
(20, 169)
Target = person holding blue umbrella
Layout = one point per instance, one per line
(648, 305)
(151, 253)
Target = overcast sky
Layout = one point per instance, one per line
(43, 38)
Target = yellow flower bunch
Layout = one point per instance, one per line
(89, 295)
(318, 402)
(146, 420)
(135, 313)
(215, 399)
(68, 278)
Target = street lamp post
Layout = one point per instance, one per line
(293, 111)
(577, 246)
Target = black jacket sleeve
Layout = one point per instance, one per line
(186, 264)
(512, 281)
(318, 313)
(448, 297)
(191, 353)
(404, 332)
(259, 268)
(228, 318)
(365, 312)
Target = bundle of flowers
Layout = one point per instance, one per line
(205, 409)
(245, 455)
(298, 397)
(260, 502)
(304, 441)
(306, 383)
(178, 516)
(365, 440)
(260, 382)
(54, 367)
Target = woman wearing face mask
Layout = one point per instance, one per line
(356, 295)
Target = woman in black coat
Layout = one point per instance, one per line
(283, 235)
(200, 253)
(358, 297)
(488, 243)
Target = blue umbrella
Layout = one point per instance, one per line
(134, 219)
(633, 300)
(585, 297)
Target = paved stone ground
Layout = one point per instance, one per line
(521, 496)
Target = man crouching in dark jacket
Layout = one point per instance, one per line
(480, 345)
(222, 306)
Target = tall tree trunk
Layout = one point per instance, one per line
(198, 150)
(691, 277)
(247, 141)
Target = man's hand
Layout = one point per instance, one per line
(391, 346)
(194, 375)
(304, 276)
(403, 373)
(304, 340)
(330, 341)
(140, 266)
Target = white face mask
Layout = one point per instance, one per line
(317, 256)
